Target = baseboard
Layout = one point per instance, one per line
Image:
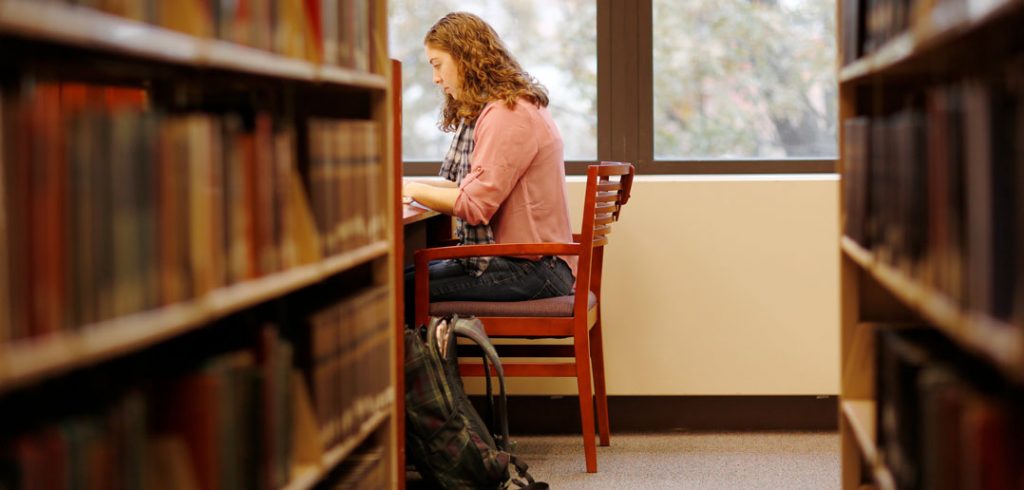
(560, 415)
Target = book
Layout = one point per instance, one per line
(855, 181)
(46, 210)
(5, 299)
(193, 17)
(206, 256)
(171, 174)
(901, 356)
(979, 196)
(940, 390)
(215, 411)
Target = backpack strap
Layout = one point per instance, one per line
(489, 394)
(521, 472)
(472, 329)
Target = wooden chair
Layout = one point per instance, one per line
(577, 316)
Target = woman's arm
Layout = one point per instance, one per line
(434, 197)
(506, 144)
(436, 182)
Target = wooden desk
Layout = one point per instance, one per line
(423, 227)
(414, 213)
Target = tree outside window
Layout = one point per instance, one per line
(744, 79)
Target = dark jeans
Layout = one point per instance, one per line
(505, 279)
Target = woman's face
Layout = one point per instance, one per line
(446, 75)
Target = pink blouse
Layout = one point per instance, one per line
(516, 181)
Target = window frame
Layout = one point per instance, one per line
(625, 106)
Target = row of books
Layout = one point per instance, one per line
(368, 469)
(111, 207)
(238, 420)
(333, 32)
(344, 350)
(104, 450)
(944, 421)
(867, 25)
(226, 426)
(347, 183)
(934, 190)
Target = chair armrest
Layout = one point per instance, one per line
(576, 237)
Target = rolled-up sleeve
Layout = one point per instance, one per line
(505, 145)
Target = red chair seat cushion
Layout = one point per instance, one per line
(558, 306)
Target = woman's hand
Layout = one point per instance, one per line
(406, 190)
(434, 197)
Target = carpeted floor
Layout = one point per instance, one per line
(755, 460)
(683, 461)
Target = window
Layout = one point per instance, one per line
(744, 79)
(556, 42)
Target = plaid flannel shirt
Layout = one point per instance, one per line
(454, 168)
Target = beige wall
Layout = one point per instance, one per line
(719, 285)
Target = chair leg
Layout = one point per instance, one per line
(586, 403)
(597, 359)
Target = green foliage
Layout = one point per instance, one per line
(744, 79)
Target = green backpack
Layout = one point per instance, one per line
(445, 438)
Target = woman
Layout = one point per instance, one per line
(505, 169)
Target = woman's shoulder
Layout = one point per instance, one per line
(498, 110)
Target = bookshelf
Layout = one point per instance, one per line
(932, 283)
(83, 27)
(932, 30)
(196, 202)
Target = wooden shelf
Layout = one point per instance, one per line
(306, 477)
(932, 34)
(1000, 343)
(859, 254)
(82, 27)
(861, 416)
(893, 52)
(883, 477)
(33, 359)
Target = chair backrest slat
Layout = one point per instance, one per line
(615, 168)
(608, 189)
(608, 186)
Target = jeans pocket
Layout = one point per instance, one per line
(561, 277)
(510, 270)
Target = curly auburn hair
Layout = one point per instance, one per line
(487, 69)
